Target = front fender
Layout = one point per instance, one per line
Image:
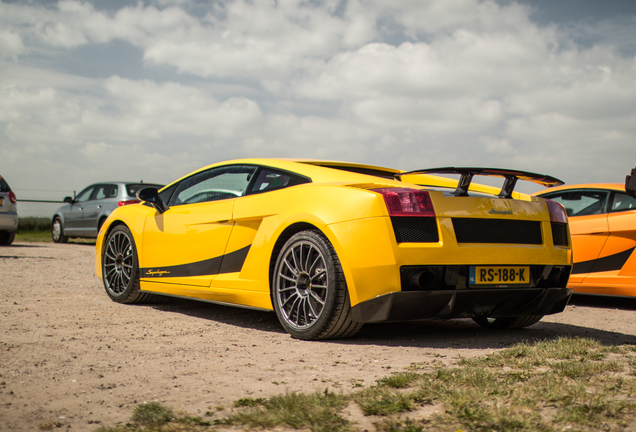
(134, 217)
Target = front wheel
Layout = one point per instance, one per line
(508, 322)
(310, 293)
(57, 231)
(120, 267)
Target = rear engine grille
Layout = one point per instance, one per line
(505, 231)
(559, 234)
(415, 229)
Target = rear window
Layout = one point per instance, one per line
(4, 186)
(269, 180)
(132, 188)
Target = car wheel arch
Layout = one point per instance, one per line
(280, 242)
(57, 216)
(108, 231)
(290, 231)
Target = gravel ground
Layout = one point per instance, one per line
(68, 354)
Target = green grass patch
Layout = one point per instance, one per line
(553, 385)
(33, 236)
(318, 412)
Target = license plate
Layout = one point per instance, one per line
(499, 275)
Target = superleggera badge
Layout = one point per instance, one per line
(505, 212)
(157, 272)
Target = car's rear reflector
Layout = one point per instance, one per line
(407, 202)
(557, 211)
(12, 197)
(126, 202)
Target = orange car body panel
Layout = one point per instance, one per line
(602, 247)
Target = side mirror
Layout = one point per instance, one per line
(151, 195)
(68, 199)
(630, 184)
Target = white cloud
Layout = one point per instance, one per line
(403, 82)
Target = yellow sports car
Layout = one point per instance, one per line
(602, 220)
(333, 245)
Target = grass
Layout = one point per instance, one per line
(33, 236)
(561, 384)
(32, 229)
(39, 230)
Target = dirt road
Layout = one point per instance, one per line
(68, 354)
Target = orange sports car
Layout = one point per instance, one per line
(602, 221)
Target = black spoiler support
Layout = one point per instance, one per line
(467, 174)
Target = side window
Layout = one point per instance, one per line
(269, 180)
(214, 184)
(581, 202)
(622, 202)
(112, 192)
(85, 194)
(100, 192)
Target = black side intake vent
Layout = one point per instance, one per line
(415, 229)
(559, 234)
(468, 230)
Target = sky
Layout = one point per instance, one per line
(151, 90)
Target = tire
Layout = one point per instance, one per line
(120, 267)
(508, 322)
(6, 238)
(309, 291)
(57, 231)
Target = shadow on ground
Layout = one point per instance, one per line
(456, 333)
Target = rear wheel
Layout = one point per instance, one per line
(6, 238)
(310, 293)
(57, 231)
(120, 267)
(508, 322)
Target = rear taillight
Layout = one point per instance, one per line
(557, 212)
(123, 203)
(12, 197)
(407, 202)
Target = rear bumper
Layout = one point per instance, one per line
(465, 303)
(8, 221)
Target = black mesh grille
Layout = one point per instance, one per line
(497, 231)
(559, 234)
(415, 229)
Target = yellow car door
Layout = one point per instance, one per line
(186, 244)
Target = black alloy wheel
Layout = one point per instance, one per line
(310, 293)
(120, 267)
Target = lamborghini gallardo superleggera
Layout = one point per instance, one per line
(602, 219)
(330, 246)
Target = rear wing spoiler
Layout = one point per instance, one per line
(511, 177)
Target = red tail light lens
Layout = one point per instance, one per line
(123, 203)
(12, 197)
(557, 211)
(407, 202)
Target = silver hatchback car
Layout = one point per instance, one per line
(8, 214)
(83, 215)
